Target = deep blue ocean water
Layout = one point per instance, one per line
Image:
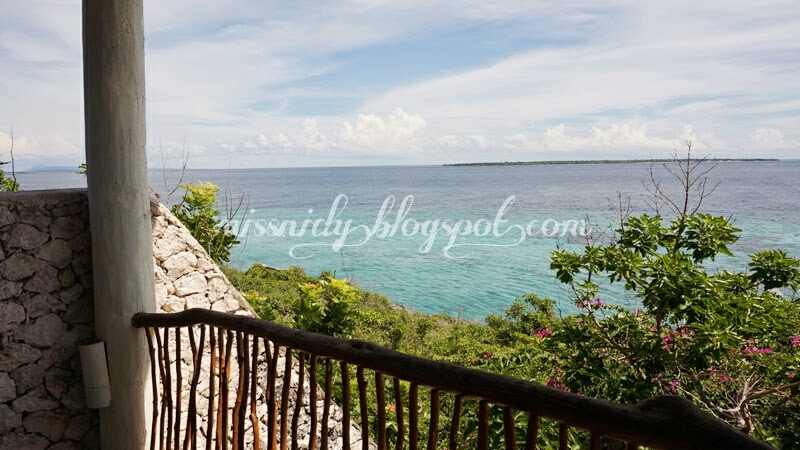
(484, 276)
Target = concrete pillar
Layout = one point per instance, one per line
(122, 245)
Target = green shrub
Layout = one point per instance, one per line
(198, 212)
(7, 184)
(326, 306)
(271, 292)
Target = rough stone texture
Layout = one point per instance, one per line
(13, 355)
(46, 311)
(18, 266)
(11, 315)
(190, 284)
(46, 423)
(9, 289)
(8, 419)
(22, 440)
(25, 237)
(36, 399)
(42, 304)
(43, 332)
(43, 281)
(8, 389)
(27, 377)
(77, 427)
(43, 270)
(186, 277)
(57, 252)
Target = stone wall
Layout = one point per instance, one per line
(186, 277)
(45, 312)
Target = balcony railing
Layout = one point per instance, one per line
(468, 408)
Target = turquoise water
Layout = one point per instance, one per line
(481, 275)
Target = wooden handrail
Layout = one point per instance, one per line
(669, 422)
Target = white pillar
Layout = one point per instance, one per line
(119, 208)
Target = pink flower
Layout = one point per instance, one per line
(753, 350)
(795, 341)
(543, 333)
(591, 304)
(637, 313)
(554, 383)
(790, 375)
(724, 378)
(673, 386)
(487, 355)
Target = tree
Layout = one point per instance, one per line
(9, 184)
(199, 214)
(727, 340)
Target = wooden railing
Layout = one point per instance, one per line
(668, 422)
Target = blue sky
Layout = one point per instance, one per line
(366, 82)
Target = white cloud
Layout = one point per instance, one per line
(615, 137)
(470, 143)
(773, 142)
(27, 147)
(623, 76)
(693, 108)
(399, 133)
(767, 139)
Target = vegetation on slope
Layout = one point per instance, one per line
(729, 341)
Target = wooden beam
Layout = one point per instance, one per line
(119, 209)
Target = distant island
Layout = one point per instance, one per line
(601, 161)
(50, 169)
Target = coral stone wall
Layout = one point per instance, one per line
(45, 312)
(186, 277)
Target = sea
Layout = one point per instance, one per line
(467, 240)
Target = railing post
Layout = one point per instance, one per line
(119, 209)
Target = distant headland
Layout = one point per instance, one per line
(50, 169)
(601, 161)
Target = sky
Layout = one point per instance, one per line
(246, 84)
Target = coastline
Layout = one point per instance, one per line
(601, 161)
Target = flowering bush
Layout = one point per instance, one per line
(726, 340)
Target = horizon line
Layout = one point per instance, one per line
(69, 169)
